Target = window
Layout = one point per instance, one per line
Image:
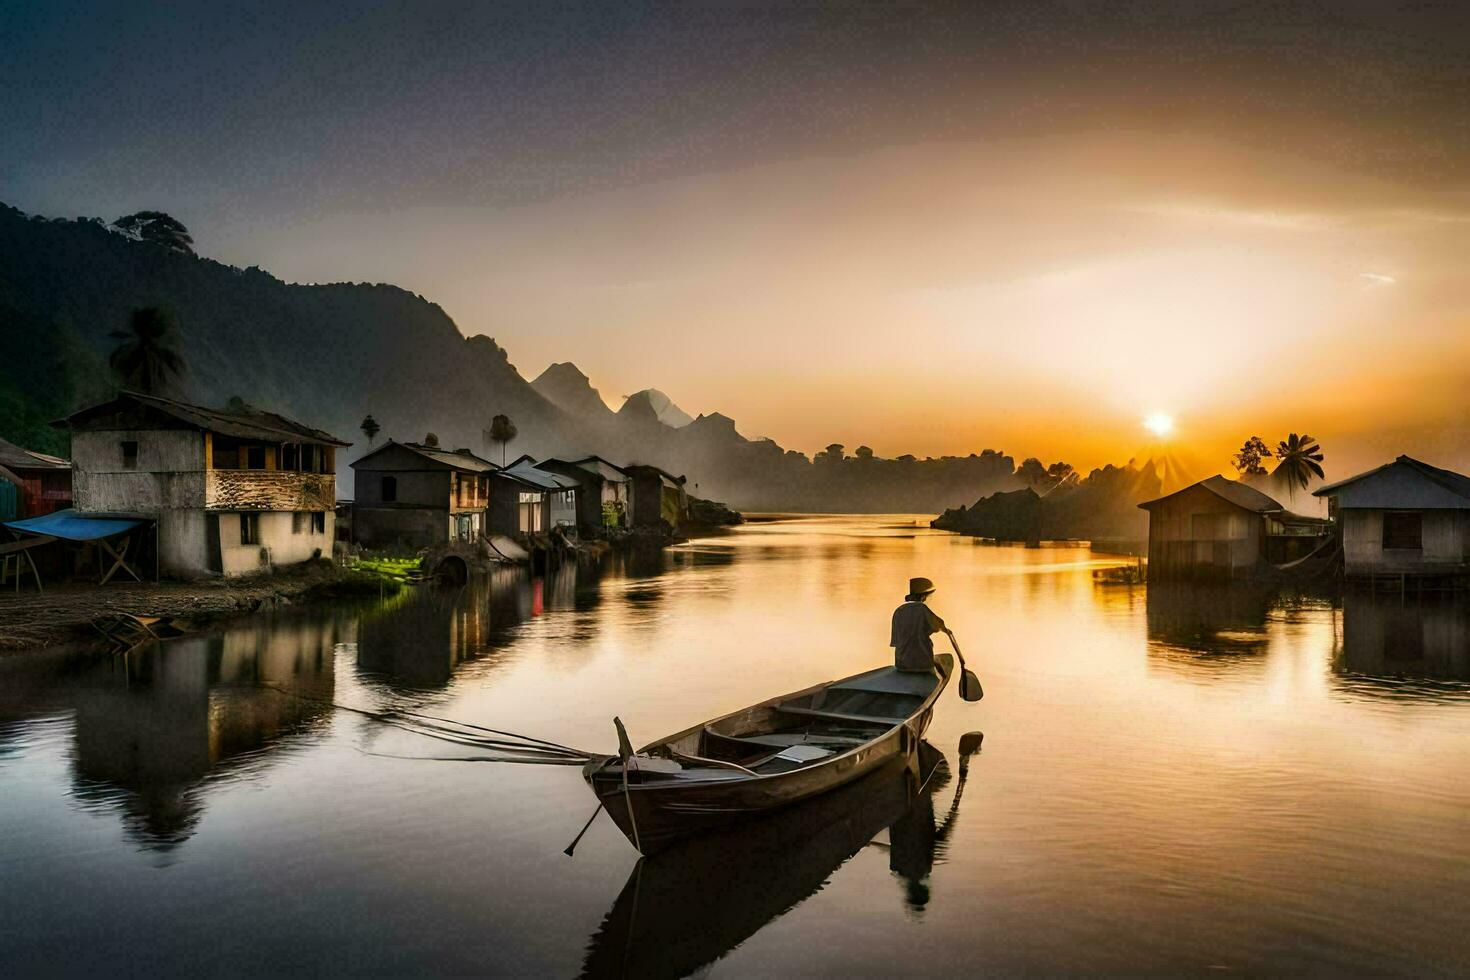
(291, 457)
(298, 522)
(1403, 530)
(250, 529)
(226, 452)
(130, 455)
(319, 522)
(530, 513)
(255, 458)
(389, 492)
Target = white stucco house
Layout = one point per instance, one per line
(231, 491)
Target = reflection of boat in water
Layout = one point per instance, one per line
(695, 902)
(770, 755)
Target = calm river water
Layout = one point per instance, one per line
(1170, 781)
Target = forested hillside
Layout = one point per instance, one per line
(328, 354)
(331, 354)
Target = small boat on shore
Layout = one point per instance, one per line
(767, 756)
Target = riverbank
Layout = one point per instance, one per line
(64, 613)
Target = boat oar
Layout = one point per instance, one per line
(585, 827)
(970, 689)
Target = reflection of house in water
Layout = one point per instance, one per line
(690, 905)
(421, 640)
(150, 734)
(1383, 636)
(1197, 624)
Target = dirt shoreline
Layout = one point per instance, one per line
(32, 621)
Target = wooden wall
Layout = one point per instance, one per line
(1197, 534)
(1446, 543)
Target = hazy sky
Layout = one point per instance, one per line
(926, 228)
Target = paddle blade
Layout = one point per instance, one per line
(970, 743)
(970, 689)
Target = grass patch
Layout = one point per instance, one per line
(399, 570)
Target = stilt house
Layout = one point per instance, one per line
(1403, 519)
(1223, 529)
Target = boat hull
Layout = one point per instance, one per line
(654, 815)
(669, 922)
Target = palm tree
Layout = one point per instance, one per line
(147, 359)
(1298, 459)
(370, 427)
(502, 430)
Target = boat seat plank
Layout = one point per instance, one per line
(783, 739)
(838, 716)
(890, 680)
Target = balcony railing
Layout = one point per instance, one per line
(269, 490)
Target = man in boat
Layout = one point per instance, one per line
(913, 625)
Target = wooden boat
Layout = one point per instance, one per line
(768, 756)
(671, 919)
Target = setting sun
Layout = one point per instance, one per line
(1159, 424)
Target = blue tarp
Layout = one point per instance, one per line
(72, 526)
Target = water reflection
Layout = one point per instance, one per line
(421, 639)
(1390, 639)
(155, 726)
(1187, 779)
(1211, 627)
(686, 907)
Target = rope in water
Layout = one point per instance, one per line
(523, 749)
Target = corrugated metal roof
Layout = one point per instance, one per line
(459, 459)
(20, 458)
(1454, 482)
(525, 471)
(251, 424)
(593, 466)
(668, 479)
(599, 459)
(1231, 491)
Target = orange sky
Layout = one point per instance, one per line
(1040, 296)
(928, 227)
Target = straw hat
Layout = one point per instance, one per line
(918, 588)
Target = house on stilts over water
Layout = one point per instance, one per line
(1219, 529)
(1404, 520)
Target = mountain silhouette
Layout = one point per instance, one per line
(564, 385)
(330, 354)
(650, 403)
